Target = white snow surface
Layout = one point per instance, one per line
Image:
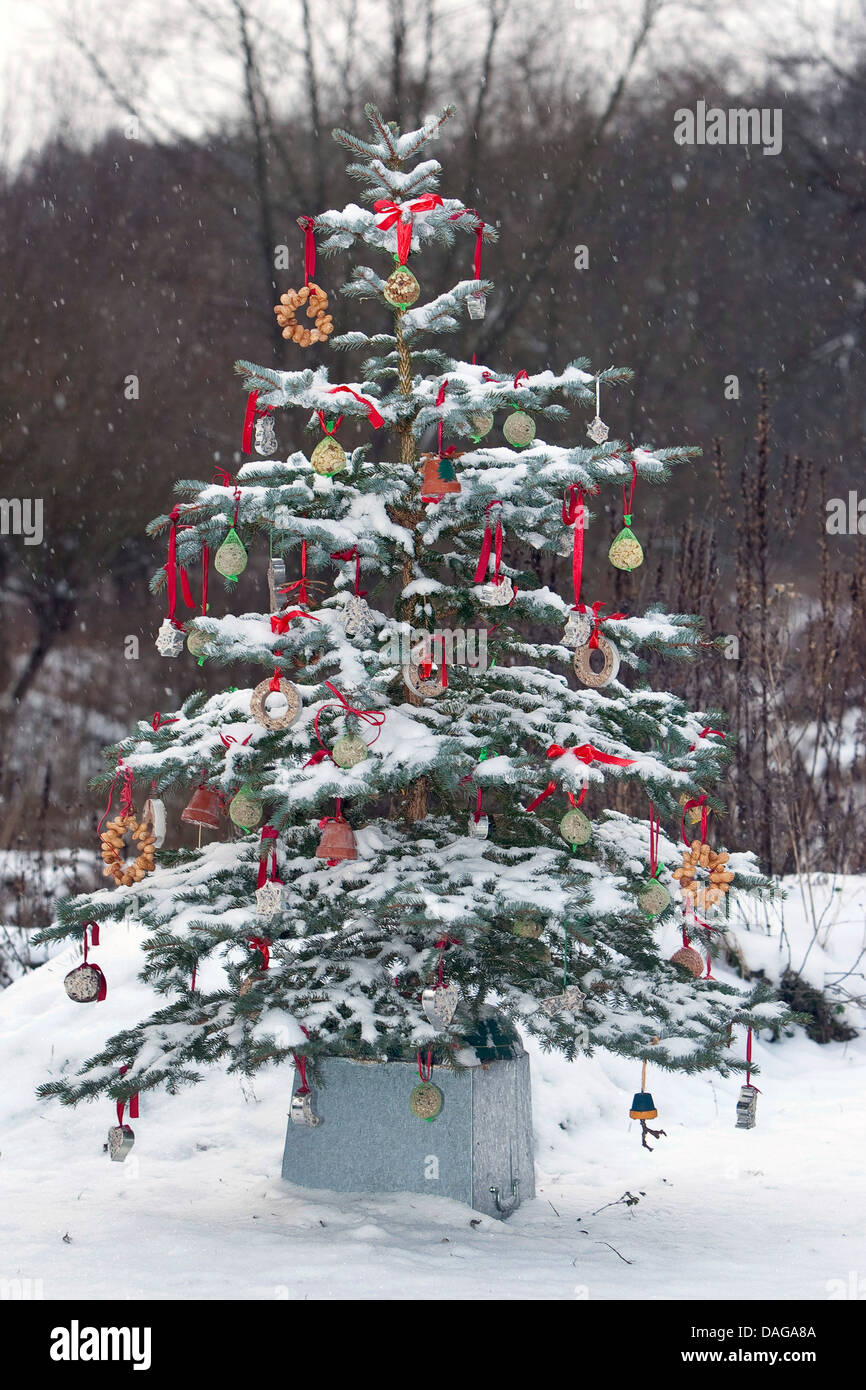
(199, 1210)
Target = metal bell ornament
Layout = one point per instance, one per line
(231, 558)
(170, 638)
(478, 827)
(476, 305)
(519, 429)
(265, 434)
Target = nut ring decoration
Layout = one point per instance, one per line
(583, 668)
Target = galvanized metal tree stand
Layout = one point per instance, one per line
(477, 1150)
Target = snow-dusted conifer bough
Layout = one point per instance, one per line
(516, 924)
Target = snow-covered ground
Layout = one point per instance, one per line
(199, 1210)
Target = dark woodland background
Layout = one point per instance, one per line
(154, 256)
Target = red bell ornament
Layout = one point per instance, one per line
(338, 840)
(203, 809)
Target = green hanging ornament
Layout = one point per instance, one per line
(653, 897)
(401, 288)
(626, 551)
(480, 423)
(519, 429)
(245, 808)
(575, 827)
(231, 558)
(329, 456)
(198, 643)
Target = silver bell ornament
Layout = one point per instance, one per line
(301, 1109)
(477, 305)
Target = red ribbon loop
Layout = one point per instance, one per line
(548, 791)
(374, 717)
(487, 544)
(375, 418)
(307, 226)
(157, 721)
(268, 834)
(521, 376)
(627, 505)
(573, 514)
(171, 568)
(263, 944)
(698, 801)
(334, 426)
(352, 554)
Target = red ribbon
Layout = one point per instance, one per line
(268, 833)
(478, 805)
(133, 1103)
(699, 801)
(521, 376)
(94, 941)
(425, 1069)
(626, 506)
(171, 569)
(352, 554)
(486, 545)
(375, 418)
(301, 584)
(307, 226)
(425, 667)
(749, 1061)
(654, 832)
(334, 425)
(548, 791)
(250, 417)
(587, 754)
(440, 400)
(157, 721)
(596, 620)
(263, 944)
(280, 622)
(125, 795)
(374, 717)
(228, 739)
(573, 514)
(479, 233)
(703, 734)
(399, 213)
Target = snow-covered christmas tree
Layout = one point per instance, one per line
(416, 762)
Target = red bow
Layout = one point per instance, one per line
(374, 717)
(587, 754)
(282, 621)
(261, 943)
(403, 215)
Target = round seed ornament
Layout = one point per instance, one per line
(597, 666)
(283, 719)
